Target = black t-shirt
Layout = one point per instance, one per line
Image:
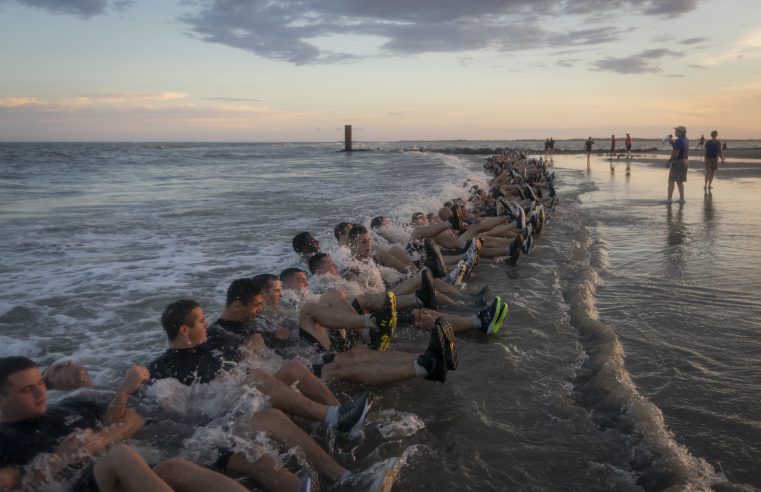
(198, 364)
(21, 441)
(235, 331)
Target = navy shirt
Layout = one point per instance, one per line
(199, 364)
(713, 148)
(21, 441)
(682, 144)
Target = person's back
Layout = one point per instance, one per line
(712, 148)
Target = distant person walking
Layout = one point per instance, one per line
(679, 163)
(612, 145)
(588, 148)
(713, 152)
(628, 143)
(701, 142)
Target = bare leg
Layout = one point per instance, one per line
(426, 319)
(266, 471)
(295, 372)
(285, 398)
(389, 259)
(430, 231)
(122, 469)
(380, 372)
(671, 190)
(680, 185)
(184, 476)
(282, 429)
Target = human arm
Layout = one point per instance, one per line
(9, 478)
(135, 376)
(79, 445)
(721, 153)
(255, 343)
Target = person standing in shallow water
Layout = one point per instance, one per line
(628, 143)
(588, 148)
(701, 142)
(679, 163)
(612, 145)
(713, 152)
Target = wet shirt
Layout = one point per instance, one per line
(712, 149)
(232, 332)
(199, 364)
(682, 145)
(21, 441)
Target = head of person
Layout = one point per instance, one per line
(184, 323)
(66, 375)
(341, 232)
(272, 288)
(680, 131)
(294, 279)
(379, 222)
(444, 213)
(244, 300)
(419, 219)
(23, 394)
(305, 244)
(714, 134)
(360, 242)
(322, 264)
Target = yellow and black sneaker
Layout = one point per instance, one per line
(450, 353)
(434, 360)
(385, 323)
(456, 218)
(427, 291)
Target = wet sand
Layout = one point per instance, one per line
(739, 163)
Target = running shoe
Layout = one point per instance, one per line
(433, 259)
(490, 315)
(457, 274)
(456, 218)
(385, 324)
(351, 417)
(427, 292)
(481, 297)
(450, 351)
(514, 250)
(470, 263)
(528, 244)
(520, 217)
(434, 360)
(493, 317)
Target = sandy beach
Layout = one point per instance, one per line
(739, 163)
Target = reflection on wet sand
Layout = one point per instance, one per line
(676, 235)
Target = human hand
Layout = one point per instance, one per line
(78, 444)
(255, 343)
(282, 333)
(135, 377)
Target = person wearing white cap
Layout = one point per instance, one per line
(678, 162)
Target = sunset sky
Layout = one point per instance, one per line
(255, 70)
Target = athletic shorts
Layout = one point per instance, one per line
(628, 146)
(678, 172)
(712, 163)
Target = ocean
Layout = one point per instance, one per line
(629, 360)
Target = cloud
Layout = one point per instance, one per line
(643, 62)
(749, 45)
(701, 67)
(291, 30)
(233, 99)
(81, 8)
(693, 40)
(17, 102)
(567, 63)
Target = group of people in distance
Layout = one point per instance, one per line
(287, 338)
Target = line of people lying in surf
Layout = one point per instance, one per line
(347, 316)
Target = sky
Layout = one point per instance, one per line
(299, 70)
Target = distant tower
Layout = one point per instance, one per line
(347, 138)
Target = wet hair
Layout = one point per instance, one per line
(341, 228)
(264, 280)
(417, 216)
(243, 290)
(357, 231)
(177, 314)
(300, 243)
(377, 222)
(314, 261)
(11, 365)
(288, 273)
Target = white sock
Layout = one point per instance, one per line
(420, 371)
(476, 323)
(365, 334)
(368, 321)
(331, 416)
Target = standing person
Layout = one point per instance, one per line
(552, 147)
(679, 163)
(612, 145)
(713, 152)
(701, 142)
(588, 148)
(546, 148)
(628, 146)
